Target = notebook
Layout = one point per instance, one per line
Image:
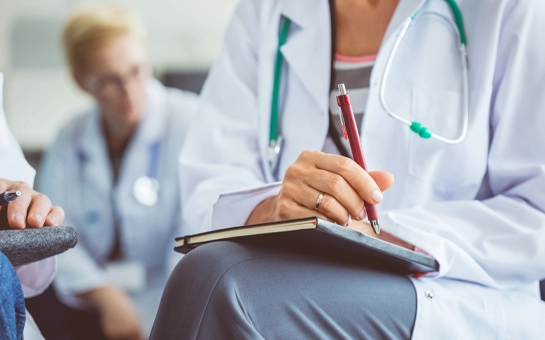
(318, 237)
(22, 246)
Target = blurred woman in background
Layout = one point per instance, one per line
(113, 169)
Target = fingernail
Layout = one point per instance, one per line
(38, 217)
(19, 218)
(363, 214)
(53, 220)
(349, 221)
(377, 196)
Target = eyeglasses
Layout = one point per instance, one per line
(111, 85)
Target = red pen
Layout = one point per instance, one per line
(350, 131)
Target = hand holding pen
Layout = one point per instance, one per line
(332, 187)
(328, 186)
(21, 206)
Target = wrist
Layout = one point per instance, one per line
(263, 212)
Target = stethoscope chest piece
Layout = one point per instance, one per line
(146, 191)
(274, 151)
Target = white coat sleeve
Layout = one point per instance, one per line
(14, 165)
(209, 177)
(34, 277)
(498, 241)
(77, 270)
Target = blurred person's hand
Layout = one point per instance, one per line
(31, 209)
(118, 317)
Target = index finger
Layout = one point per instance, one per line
(5, 185)
(368, 186)
(18, 209)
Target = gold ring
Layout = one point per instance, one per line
(319, 201)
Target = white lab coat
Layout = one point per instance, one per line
(478, 207)
(77, 175)
(34, 277)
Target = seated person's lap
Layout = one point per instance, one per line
(281, 294)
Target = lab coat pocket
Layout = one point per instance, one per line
(431, 160)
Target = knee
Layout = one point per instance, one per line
(208, 262)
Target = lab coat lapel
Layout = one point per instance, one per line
(306, 78)
(304, 54)
(93, 156)
(304, 50)
(404, 9)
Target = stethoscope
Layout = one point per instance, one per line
(146, 187)
(276, 140)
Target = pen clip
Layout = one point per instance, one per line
(342, 123)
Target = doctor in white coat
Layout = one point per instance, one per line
(114, 169)
(476, 206)
(30, 210)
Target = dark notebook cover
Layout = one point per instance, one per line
(22, 246)
(329, 240)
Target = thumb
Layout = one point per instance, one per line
(384, 180)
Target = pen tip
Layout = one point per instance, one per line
(342, 89)
(10, 196)
(376, 226)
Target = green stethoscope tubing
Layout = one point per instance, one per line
(273, 135)
(415, 126)
(459, 21)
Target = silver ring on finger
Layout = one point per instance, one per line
(319, 201)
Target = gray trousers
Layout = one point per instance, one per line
(235, 290)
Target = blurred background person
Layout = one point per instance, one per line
(114, 171)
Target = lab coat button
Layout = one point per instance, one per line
(429, 295)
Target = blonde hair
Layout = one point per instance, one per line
(94, 27)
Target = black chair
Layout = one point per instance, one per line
(542, 285)
(189, 81)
